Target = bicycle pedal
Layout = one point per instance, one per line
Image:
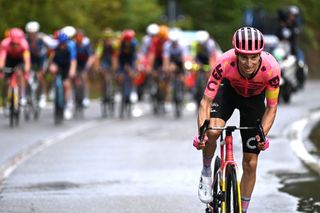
(209, 210)
(221, 197)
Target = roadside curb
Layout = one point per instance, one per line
(299, 137)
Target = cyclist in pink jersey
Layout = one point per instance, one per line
(243, 78)
(14, 53)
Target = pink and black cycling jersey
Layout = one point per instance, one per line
(14, 52)
(267, 78)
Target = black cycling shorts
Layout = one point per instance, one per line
(13, 62)
(64, 72)
(251, 109)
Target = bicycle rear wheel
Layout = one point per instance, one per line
(232, 191)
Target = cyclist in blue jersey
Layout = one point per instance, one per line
(65, 61)
(85, 59)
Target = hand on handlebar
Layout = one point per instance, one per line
(262, 145)
(200, 144)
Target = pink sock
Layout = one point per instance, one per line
(245, 203)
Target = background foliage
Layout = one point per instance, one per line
(220, 18)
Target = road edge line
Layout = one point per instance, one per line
(10, 165)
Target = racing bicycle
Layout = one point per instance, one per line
(32, 107)
(226, 187)
(78, 85)
(108, 96)
(59, 101)
(12, 97)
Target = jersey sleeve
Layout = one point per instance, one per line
(273, 85)
(73, 50)
(25, 45)
(89, 50)
(166, 49)
(3, 50)
(215, 79)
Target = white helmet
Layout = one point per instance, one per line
(294, 10)
(70, 31)
(153, 29)
(202, 36)
(174, 35)
(32, 27)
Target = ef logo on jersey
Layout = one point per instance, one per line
(217, 75)
(251, 143)
(274, 82)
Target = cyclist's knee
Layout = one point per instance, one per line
(213, 135)
(67, 84)
(53, 68)
(249, 165)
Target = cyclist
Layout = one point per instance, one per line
(155, 57)
(152, 31)
(106, 51)
(15, 53)
(159, 79)
(127, 66)
(174, 57)
(242, 78)
(65, 61)
(206, 49)
(38, 52)
(85, 59)
(205, 54)
(144, 78)
(174, 54)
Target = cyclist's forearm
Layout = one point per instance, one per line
(73, 67)
(26, 60)
(3, 56)
(204, 110)
(166, 63)
(90, 61)
(268, 118)
(27, 66)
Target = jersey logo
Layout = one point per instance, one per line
(217, 72)
(211, 85)
(233, 64)
(263, 69)
(249, 143)
(274, 82)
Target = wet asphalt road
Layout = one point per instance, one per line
(142, 164)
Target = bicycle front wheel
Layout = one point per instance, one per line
(232, 191)
(216, 203)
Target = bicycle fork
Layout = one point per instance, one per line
(227, 158)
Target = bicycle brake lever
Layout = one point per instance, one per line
(260, 131)
(203, 130)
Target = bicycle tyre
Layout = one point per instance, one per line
(14, 107)
(11, 108)
(59, 101)
(178, 94)
(216, 203)
(79, 97)
(232, 193)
